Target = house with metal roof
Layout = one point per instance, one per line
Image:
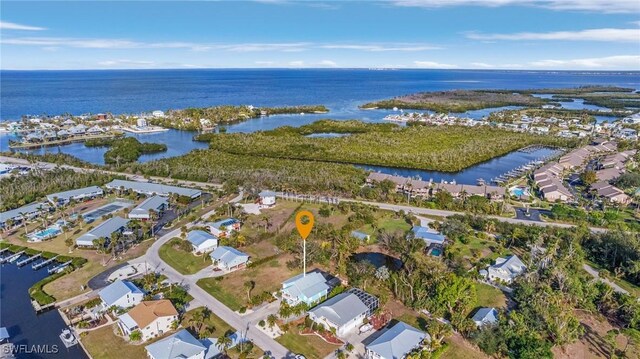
(201, 241)
(506, 269)
(223, 227)
(309, 288)
(103, 230)
(396, 342)
(150, 189)
(26, 212)
(485, 316)
(80, 194)
(360, 235)
(428, 235)
(144, 210)
(121, 294)
(343, 313)
(181, 345)
(151, 318)
(228, 258)
(267, 198)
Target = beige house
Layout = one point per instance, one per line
(151, 318)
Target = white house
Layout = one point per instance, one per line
(267, 198)
(151, 318)
(80, 194)
(228, 258)
(143, 211)
(157, 113)
(428, 235)
(308, 288)
(485, 316)
(506, 269)
(103, 230)
(181, 345)
(121, 294)
(345, 313)
(201, 241)
(396, 342)
(223, 227)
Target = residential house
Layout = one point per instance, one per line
(360, 235)
(181, 345)
(120, 294)
(223, 227)
(506, 269)
(485, 316)
(396, 342)
(267, 198)
(150, 206)
(27, 212)
(345, 312)
(150, 189)
(228, 258)
(151, 318)
(309, 288)
(428, 235)
(201, 241)
(103, 230)
(80, 194)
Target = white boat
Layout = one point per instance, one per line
(68, 338)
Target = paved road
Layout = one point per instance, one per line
(595, 274)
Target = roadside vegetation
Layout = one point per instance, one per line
(445, 148)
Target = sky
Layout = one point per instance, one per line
(436, 34)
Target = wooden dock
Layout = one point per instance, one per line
(11, 258)
(28, 260)
(58, 267)
(42, 264)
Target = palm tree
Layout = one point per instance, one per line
(223, 343)
(249, 285)
(23, 217)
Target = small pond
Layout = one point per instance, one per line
(378, 260)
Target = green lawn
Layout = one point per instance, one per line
(388, 223)
(489, 296)
(183, 262)
(221, 327)
(311, 346)
(214, 287)
(104, 344)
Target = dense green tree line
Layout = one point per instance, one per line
(123, 150)
(16, 191)
(256, 172)
(442, 148)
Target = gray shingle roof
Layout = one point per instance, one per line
(151, 203)
(308, 286)
(151, 188)
(80, 192)
(197, 237)
(397, 341)
(229, 256)
(103, 230)
(116, 290)
(177, 346)
(340, 309)
(15, 213)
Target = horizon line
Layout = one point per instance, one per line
(327, 68)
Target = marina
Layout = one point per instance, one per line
(43, 263)
(521, 170)
(11, 258)
(28, 260)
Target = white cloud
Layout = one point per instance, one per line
(626, 62)
(433, 65)
(327, 63)
(378, 47)
(606, 6)
(482, 65)
(296, 63)
(126, 63)
(13, 26)
(607, 35)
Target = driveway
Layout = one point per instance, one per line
(530, 214)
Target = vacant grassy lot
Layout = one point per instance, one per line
(230, 289)
(221, 327)
(183, 262)
(489, 296)
(103, 343)
(386, 222)
(311, 346)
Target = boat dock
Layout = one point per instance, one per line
(11, 258)
(3, 250)
(28, 260)
(58, 267)
(44, 263)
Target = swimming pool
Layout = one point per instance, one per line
(519, 191)
(47, 233)
(436, 252)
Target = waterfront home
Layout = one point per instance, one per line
(100, 116)
(68, 122)
(157, 113)
(228, 258)
(120, 294)
(14, 217)
(80, 194)
(103, 230)
(506, 269)
(627, 134)
(309, 288)
(181, 345)
(201, 241)
(267, 198)
(151, 318)
(345, 312)
(141, 122)
(223, 227)
(151, 206)
(429, 236)
(396, 342)
(150, 189)
(78, 130)
(485, 316)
